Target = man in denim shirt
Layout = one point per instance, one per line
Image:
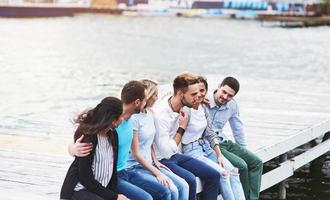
(224, 108)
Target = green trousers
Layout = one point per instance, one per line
(249, 165)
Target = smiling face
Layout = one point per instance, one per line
(202, 91)
(224, 94)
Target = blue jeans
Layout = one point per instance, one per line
(180, 183)
(128, 189)
(147, 181)
(188, 168)
(249, 165)
(230, 185)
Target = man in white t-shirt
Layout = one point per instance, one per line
(171, 122)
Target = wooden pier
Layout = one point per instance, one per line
(277, 119)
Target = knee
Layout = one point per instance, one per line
(242, 167)
(174, 192)
(144, 196)
(224, 177)
(234, 171)
(191, 180)
(167, 193)
(184, 186)
(224, 174)
(147, 196)
(234, 174)
(215, 175)
(163, 193)
(259, 163)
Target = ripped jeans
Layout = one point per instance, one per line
(230, 184)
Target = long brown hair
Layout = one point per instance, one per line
(95, 120)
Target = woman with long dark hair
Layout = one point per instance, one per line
(96, 177)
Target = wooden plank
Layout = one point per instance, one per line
(298, 139)
(287, 168)
(31, 175)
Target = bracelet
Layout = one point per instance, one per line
(181, 131)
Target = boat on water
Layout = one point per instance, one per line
(35, 11)
(56, 9)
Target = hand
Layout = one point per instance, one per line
(206, 101)
(164, 180)
(235, 170)
(81, 149)
(183, 120)
(160, 165)
(221, 161)
(122, 197)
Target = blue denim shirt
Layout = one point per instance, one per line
(221, 115)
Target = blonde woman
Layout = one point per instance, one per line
(141, 151)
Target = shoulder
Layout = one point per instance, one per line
(186, 109)
(233, 107)
(134, 118)
(232, 104)
(127, 122)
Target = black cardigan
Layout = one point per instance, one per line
(81, 171)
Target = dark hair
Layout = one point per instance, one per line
(203, 80)
(93, 121)
(231, 82)
(182, 81)
(132, 91)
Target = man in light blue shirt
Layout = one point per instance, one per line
(223, 108)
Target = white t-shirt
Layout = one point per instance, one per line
(167, 123)
(196, 126)
(144, 124)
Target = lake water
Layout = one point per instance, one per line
(51, 69)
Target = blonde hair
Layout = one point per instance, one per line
(151, 87)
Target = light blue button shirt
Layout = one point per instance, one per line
(221, 115)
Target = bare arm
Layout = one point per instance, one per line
(183, 122)
(138, 157)
(219, 155)
(156, 162)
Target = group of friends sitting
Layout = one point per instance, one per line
(127, 149)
